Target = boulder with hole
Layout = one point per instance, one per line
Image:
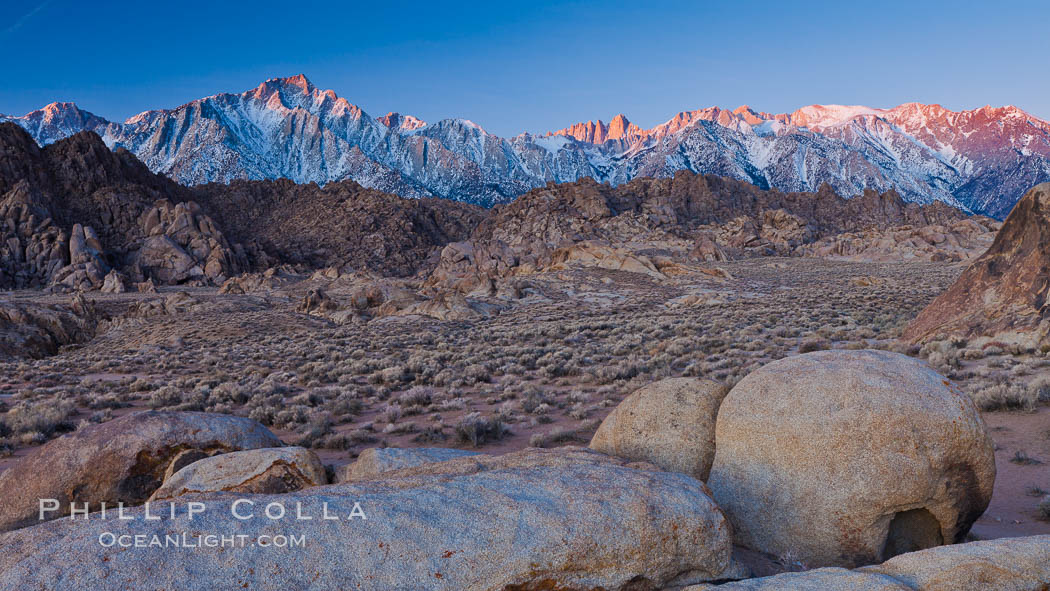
(845, 458)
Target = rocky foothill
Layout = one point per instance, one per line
(1001, 296)
(647, 224)
(77, 216)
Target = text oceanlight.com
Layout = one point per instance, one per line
(190, 541)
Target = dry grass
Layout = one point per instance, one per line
(543, 372)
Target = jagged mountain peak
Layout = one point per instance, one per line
(816, 117)
(979, 160)
(399, 122)
(618, 128)
(298, 83)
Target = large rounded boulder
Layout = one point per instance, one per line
(670, 423)
(845, 458)
(374, 462)
(119, 461)
(534, 519)
(258, 471)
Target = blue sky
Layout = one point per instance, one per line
(530, 65)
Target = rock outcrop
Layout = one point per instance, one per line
(702, 216)
(670, 423)
(184, 244)
(317, 303)
(845, 458)
(1003, 294)
(960, 241)
(122, 460)
(36, 330)
(114, 282)
(34, 250)
(72, 211)
(376, 461)
(360, 300)
(602, 256)
(1006, 563)
(818, 579)
(341, 224)
(176, 303)
(257, 471)
(536, 519)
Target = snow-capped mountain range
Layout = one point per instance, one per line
(980, 160)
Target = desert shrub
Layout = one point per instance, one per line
(810, 345)
(44, 418)
(345, 404)
(263, 414)
(397, 428)
(943, 361)
(477, 430)
(229, 392)
(431, 434)
(291, 416)
(391, 413)
(993, 348)
(416, 396)
(1043, 508)
(106, 401)
(1039, 388)
(1023, 459)
(1005, 396)
(165, 396)
(141, 385)
(532, 399)
(318, 428)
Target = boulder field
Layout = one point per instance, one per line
(535, 519)
(838, 459)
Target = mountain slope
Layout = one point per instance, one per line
(74, 211)
(979, 160)
(1003, 294)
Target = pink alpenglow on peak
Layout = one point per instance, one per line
(979, 160)
(397, 121)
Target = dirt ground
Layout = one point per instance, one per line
(1013, 508)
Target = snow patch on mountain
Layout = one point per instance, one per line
(980, 160)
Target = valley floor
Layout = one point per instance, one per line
(543, 372)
